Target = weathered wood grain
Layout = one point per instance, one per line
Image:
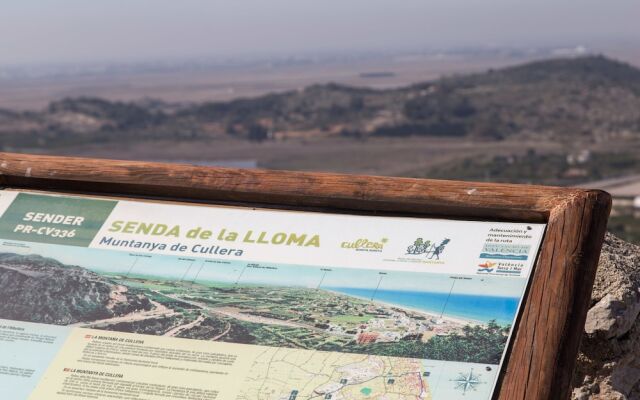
(541, 358)
(367, 193)
(543, 353)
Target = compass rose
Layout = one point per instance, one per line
(467, 381)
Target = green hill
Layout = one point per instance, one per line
(38, 289)
(591, 97)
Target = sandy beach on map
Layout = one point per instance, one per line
(426, 314)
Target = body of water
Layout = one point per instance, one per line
(476, 308)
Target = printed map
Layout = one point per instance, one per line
(290, 374)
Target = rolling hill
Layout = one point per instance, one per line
(589, 97)
(39, 289)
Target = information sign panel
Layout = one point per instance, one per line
(290, 304)
(278, 291)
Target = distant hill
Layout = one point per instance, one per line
(38, 289)
(592, 97)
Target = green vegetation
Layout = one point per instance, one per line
(479, 344)
(309, 319)
(151, 326)
(353, 319)
(43, 290)
(588, 98)
(625, 223)
(475, 344)
(533, 167)
(303, 318)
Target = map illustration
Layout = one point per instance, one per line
(321, 375)
(322, 333)
(290, 374)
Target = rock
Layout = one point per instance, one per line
(612, 317)
(608, 365)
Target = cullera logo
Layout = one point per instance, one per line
(486, 267)
(365, 244)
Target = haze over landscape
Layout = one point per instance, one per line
(538, 92)
(73, 31)
(530, 92)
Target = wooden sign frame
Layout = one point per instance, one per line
(540, 361)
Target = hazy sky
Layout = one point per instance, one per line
(53, 31)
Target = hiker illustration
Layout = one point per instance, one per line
(419, 247)
(439, 249)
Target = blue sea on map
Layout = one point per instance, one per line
(471, 307)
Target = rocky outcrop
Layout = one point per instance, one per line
(609, 360)
(38, 289)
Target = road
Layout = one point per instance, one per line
(158, 311)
